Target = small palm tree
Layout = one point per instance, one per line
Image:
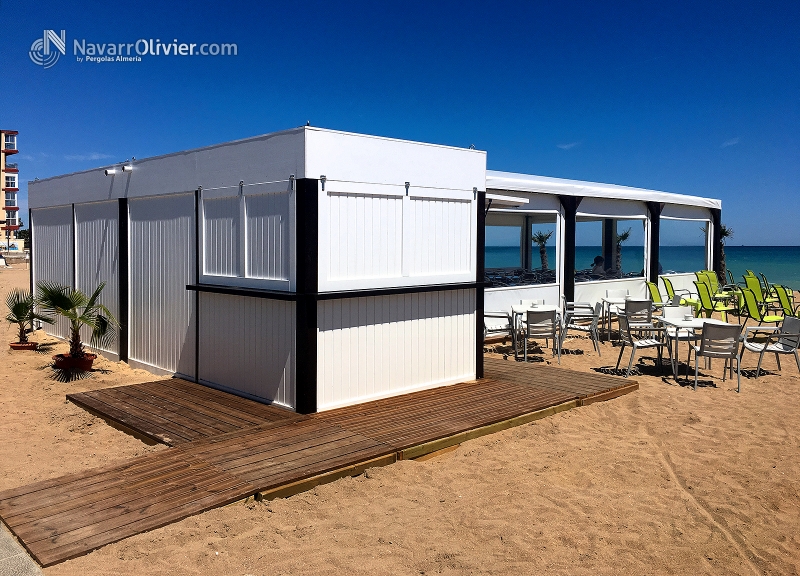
(22, 312)
(621, 239)
(725, 232)
(81, 310)
(541, 239)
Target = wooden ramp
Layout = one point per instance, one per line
(219, 458)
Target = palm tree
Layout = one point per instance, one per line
(541, 239)
(725, 232)
(81, 310)
(621, 238)
(22, 312)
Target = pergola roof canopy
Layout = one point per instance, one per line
(513, 182)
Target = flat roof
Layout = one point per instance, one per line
(511, 181)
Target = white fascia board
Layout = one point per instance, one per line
(358, 158)
(506, 201)
(267, 158)
(500, 181)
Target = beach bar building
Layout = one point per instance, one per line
(314, 268)
(311, 268)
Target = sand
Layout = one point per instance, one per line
(662, 481)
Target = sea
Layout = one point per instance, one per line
(780, 264)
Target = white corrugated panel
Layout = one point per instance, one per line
(441, 242)
(268, 245)
(247, 345)
(97, 255)
(53, 253)
(366, 236)
(221, 236)
(162, 263)
(382, 346)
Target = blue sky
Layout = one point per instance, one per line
(693, 98)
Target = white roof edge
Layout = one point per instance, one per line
(500, 200)
(512, 181)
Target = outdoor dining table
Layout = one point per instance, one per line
(683, 324)
(608, 302)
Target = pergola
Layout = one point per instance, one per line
(563, 204)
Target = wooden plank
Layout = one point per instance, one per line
(145, 427)
(191, 410)
(258, 409)
(208, 408)
(146, 403)
(148, 413)
(211, 403)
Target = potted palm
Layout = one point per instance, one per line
(22, 312)
(80, 311)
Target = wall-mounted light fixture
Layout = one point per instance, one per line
(127, 168)
(110, 171)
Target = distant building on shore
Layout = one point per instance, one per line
(9, 177)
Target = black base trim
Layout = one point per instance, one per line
(343, 295)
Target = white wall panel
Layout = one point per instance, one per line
(268, 243)
(365, 236)
(221, 229)
(53, 247)
(382, 346)
(97, 256)
(162, 263)
(441, 242)
(247, 345)
(595, 291)
(679, 282)
(501, 299)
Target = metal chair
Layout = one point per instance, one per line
(543, 324)
(582, 317)
(502, 324)
(781, 340)
(719, 341)
(639, 314)
(613, 309)
(629, 340)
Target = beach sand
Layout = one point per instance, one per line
(662, 481)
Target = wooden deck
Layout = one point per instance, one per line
(228, 448)
(174, 411)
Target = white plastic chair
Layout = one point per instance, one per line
(582, 317)
(719, 341)
(543, 324)
(636, 344)
(782, 340)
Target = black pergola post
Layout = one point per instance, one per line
(570, 205)
(716, 243)
(307, 281)
(655, 209)
(480, 267)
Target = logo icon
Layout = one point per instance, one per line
(45, 50)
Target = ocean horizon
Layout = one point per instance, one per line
(780, 264)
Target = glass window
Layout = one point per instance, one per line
(606, 248)
(11, 198)
(682, 246)
(11, 180)
(11, 142)
(520, 249)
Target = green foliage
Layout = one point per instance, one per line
(541, 238)
(80, 310)
(22, 312)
